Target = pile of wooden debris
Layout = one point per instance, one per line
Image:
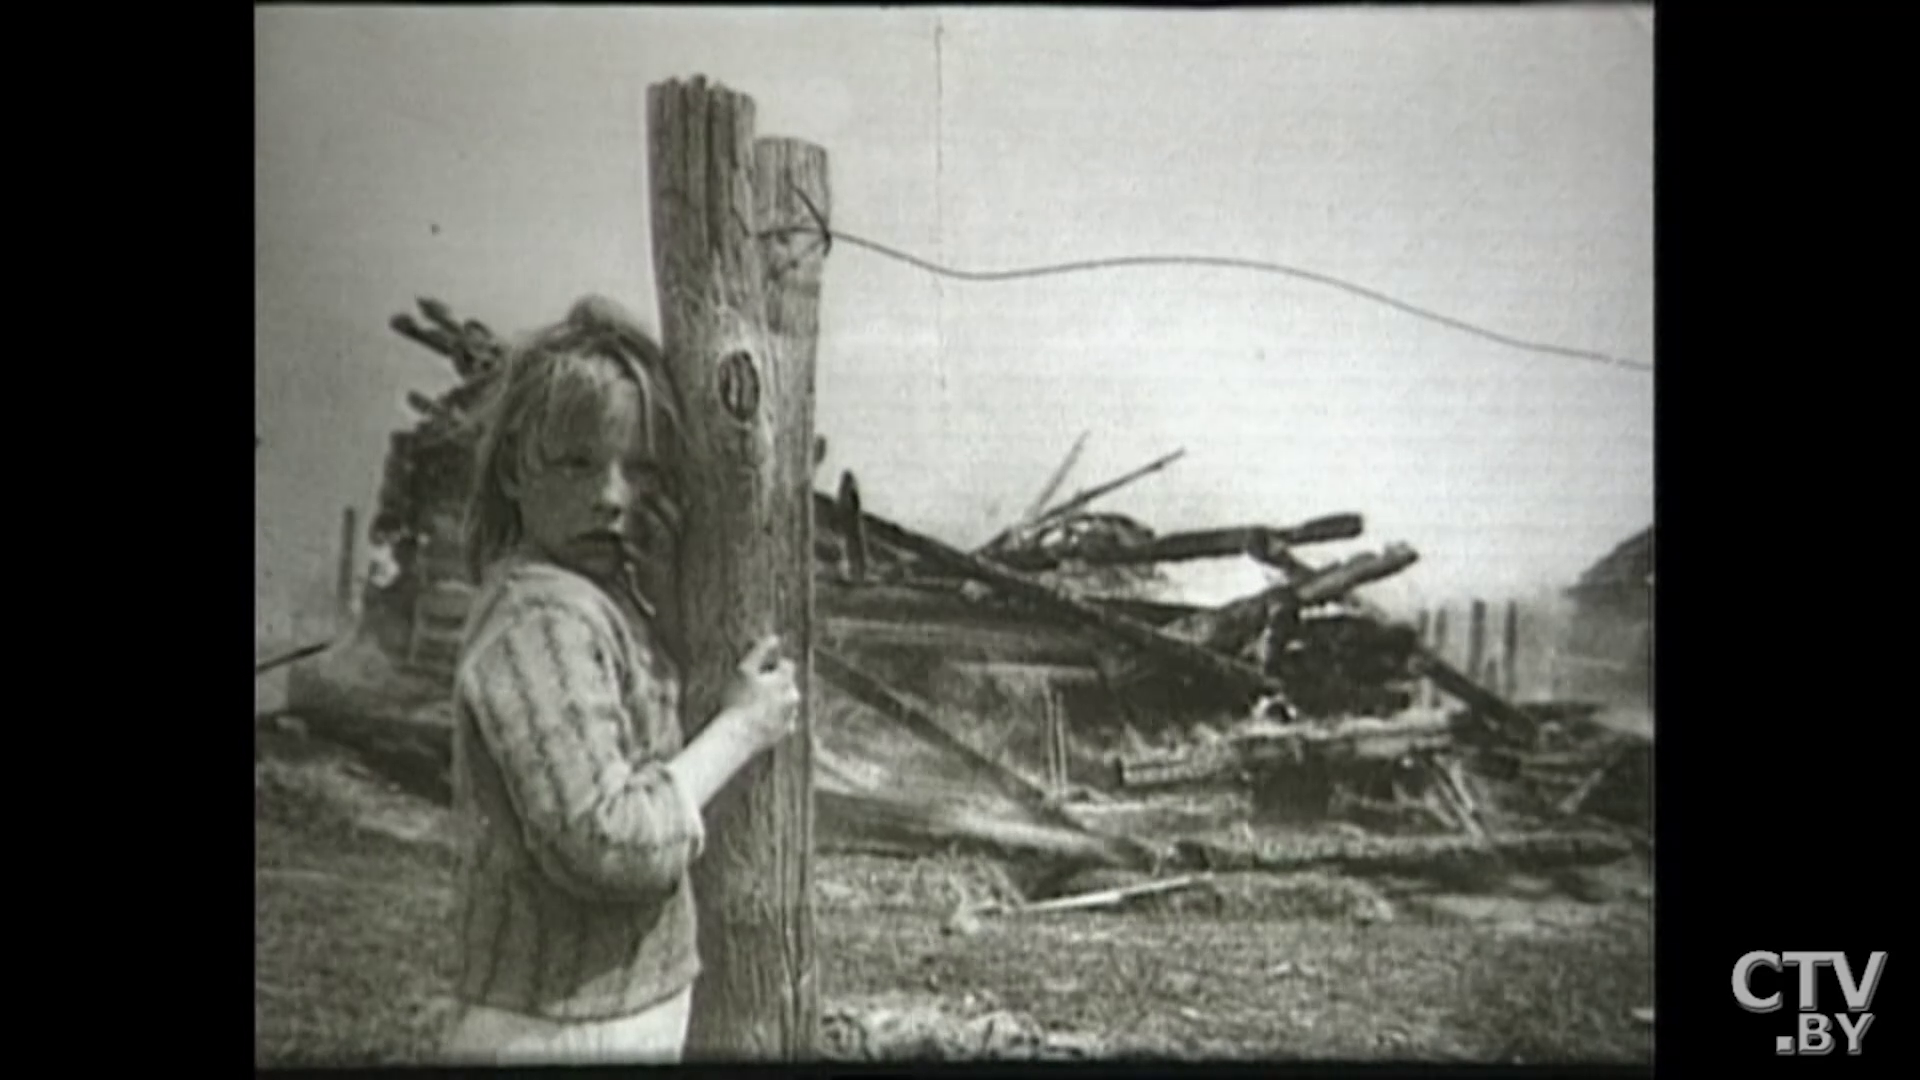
(1302, 694)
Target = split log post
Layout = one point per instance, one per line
(1477, 642)
(740, 353)
(1510, 651)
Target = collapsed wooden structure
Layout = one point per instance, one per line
(1317, 692)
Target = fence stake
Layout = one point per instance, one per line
(739, 317)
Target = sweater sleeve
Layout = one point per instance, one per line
(602, 824)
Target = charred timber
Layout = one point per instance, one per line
(1510, 722)
(1237, 622)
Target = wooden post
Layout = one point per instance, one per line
(853, 527)
(1510, 651)
(349, 554)
(1439, 649)
(1477, 642)
(740, 352)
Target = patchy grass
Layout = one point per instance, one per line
(351, 937)
(1309, 989)
(350, 901)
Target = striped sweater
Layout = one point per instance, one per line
(574, 902)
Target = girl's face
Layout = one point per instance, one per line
(594, 488)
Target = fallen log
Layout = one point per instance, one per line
(1233, 624)
(1305, 745)
(1409, 856)
(1184, 546)
(1194, 658)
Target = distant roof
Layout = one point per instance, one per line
(1628, 566)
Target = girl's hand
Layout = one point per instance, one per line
(763, 696)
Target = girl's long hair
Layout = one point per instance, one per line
(562, 374)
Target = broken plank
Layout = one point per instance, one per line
(1410, 856)
(263, 666)
(1234, 623)
(1211, 762)
(1086, 497)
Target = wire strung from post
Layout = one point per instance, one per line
(827, 237)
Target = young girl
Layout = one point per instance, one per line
(581, 803)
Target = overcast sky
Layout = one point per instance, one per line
(1495, 165)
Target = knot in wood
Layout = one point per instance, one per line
(739, 385)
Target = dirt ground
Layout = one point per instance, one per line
(352, 885)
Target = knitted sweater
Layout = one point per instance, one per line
(574, 902)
